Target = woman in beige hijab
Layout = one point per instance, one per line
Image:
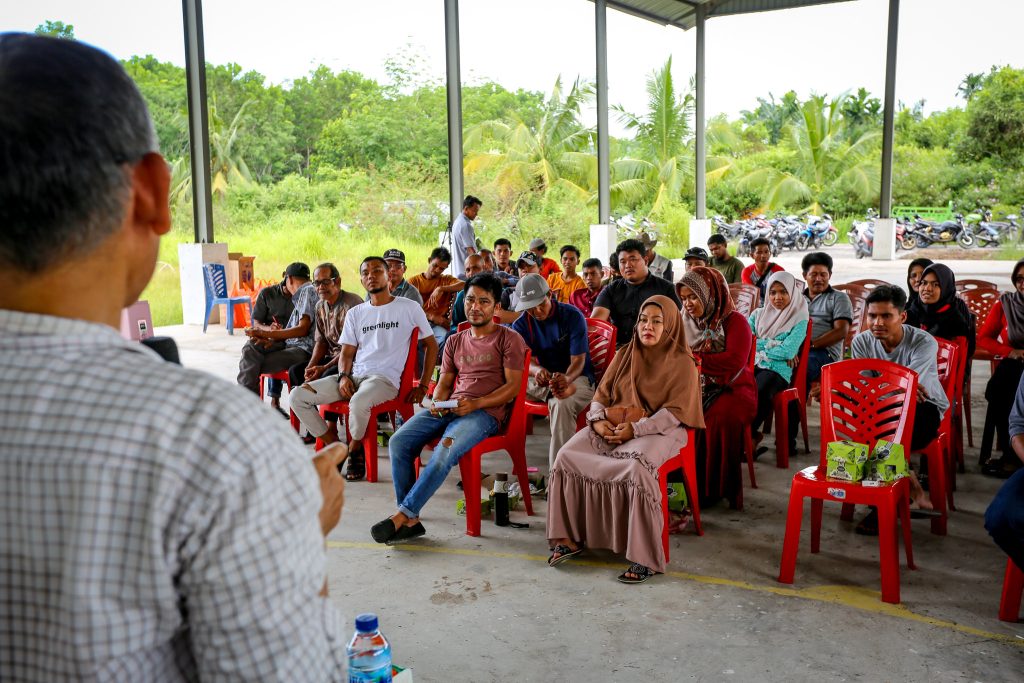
(604, 490)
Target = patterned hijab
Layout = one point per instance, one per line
(707, 334)
(656, 377)
(1013, 309)
(771, 322)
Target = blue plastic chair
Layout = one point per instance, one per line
(217, 293)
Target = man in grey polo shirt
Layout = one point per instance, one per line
(831, 314)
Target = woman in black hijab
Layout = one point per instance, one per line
(938, 310)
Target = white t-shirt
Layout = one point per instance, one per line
(381, 336)
(462, 236)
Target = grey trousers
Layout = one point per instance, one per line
(371, 391)
(257, 360)
(562, 411)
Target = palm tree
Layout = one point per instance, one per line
(663, 136)
(970, 85)
(226, 163)
(821, 160)
(535, 159)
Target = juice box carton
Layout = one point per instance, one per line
(887, 462)
(846, 460)
(675, 494)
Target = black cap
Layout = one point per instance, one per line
(394, 255)
(297, 269)
(697, 252)
(529, 257)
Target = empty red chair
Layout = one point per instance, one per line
(1013, 586)
(511, 439)
(397, 404)
(862, 400)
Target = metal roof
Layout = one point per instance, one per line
(683, 13)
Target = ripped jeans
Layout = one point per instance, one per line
(458, 435)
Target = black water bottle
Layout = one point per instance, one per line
(501, 499)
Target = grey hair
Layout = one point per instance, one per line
(72, 124)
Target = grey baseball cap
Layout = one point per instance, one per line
(531, 290)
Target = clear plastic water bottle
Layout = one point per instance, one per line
(369, 653)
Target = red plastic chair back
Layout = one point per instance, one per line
(980, 302)
(859, 301)
(865, 400)
(868, 283)
(969, 285)
(948, 361)
(799, 381)
(602, 337)
(744, 297)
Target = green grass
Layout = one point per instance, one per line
(309, 236)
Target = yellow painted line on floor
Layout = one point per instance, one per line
(848, 596)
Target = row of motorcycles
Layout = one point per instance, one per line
(782, 232)
(914, 231)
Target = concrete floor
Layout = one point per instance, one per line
(458, 608)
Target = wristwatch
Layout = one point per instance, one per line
(346, 374)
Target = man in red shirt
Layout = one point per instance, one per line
(584, 299)
(758, 272)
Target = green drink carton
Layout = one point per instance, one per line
(675, 494)
(847, 460)
(887, 462)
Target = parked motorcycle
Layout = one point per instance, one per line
(817, 232)
(731, 231)
(862, 236)
(990, 233)
(947, 232)
(758, 227)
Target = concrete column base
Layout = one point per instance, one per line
(191, 258)
(885, 240)
(603, 239)
(700, 231)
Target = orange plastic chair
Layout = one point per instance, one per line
(397, 404)
(797, 391)
(511, 438)
(744, 297)
(968, 285)
(937, 450)
(1013, 586)
(863, 400)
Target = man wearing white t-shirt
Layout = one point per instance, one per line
(374, 348)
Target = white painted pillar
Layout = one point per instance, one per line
(700, 231)
(191, 257)
(885, 240)
(603, 239)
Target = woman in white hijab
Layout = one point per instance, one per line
(779, 327)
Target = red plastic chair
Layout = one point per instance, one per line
(397, 404)
(748, 440)
(511, 439)
(283, 376)
(859, 301)
(744, 297)
(936, 451)
(868, 283)
(955, 450)
(1013, 586)
(980, 302)
(686, 460)
(797, 391)
(968, 285)
(863, 400)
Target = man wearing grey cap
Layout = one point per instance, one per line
(547, 265)
(400, 287)
(561, 374)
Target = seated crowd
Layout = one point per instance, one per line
(150, 537)
(637, 415)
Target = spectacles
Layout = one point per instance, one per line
(323, 283)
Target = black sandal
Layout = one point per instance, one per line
(640, 574)
(564, 553)
(356, 464)
(869, 525)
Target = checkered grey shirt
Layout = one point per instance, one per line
(146, 536)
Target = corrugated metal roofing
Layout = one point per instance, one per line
(683, 13)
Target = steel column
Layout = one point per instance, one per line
(454, 90)
(198, 119)
(604, 201)
(890, 108)
(700, 163)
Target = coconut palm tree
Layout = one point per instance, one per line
(226, 163)
(663, 138)
(821, 160)
(535, 159)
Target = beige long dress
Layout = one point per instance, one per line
(610, 497)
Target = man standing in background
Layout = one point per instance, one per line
(463, 236)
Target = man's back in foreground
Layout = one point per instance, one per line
(144, 538)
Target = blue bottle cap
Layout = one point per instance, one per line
(366, 623)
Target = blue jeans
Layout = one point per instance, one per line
(1004, 518)
(816, 358)
(458, 436)
(440, 334)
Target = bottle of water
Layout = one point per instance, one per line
(369, 653)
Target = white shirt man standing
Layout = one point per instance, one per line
(463, 236)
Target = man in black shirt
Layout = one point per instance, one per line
(271, 312)
(620, 301)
